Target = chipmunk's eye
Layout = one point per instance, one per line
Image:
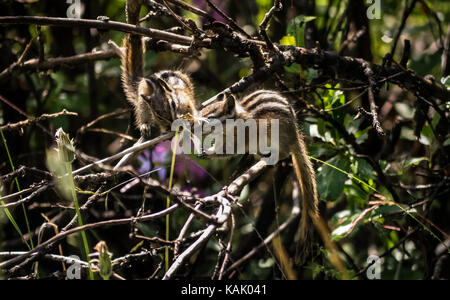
(165, 76)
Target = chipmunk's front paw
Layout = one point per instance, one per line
(145, 131)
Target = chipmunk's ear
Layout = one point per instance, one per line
(163, 84)
(146, 88)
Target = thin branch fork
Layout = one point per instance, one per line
(222, 214)
(45, 246)
(344, 67)
(99, 163)
(192, 9)
(373, 107)
(277, 6)
(51, 63)
(231, 22)
(30, 121)
(295, 213)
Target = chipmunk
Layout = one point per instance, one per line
(269, 105)
(160, 98)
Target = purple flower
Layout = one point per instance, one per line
(144, 158)
(185, 165)
(162, 157)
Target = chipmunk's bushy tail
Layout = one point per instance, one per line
(310, 212)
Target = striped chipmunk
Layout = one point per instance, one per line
(270, 105)
(162, 97)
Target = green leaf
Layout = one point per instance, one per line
(321, 150)
(300, 20)
(297, 30)
(363, 168)
(331, 189)
(294, 68)
(341, 231)
(288, 40)
(426, 136)
(413, 161)
(404, 110)
(311, 74)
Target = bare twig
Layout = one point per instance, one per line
(277, 6)
(343, 67)
(31, 121)
(63, 234)
(51, 63)
(230, 21)
(192, 9)
(295, 213)
(133, 149)
(222, 214)
(25, 199)
(228, 249)
(184, 230)
(406, 12)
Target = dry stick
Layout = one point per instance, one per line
(111, 132)
(259, 75)
(133, 149)
(25, 199)
(406, 12)
(66, 228)
(295, 213)
(184, 230)
(110, 25)
(176, 196)
(373, 107)
(192, 9)
(277, 6)
(232, 23)
(18, 62)
(228, 249)
(159, 45)
(118, 50)
(105, 116)
(129, 156)
(51, 63)
(155, 9)
(346, 67)
(222, 214)
(13, 106)
(30, 121)
(63, 234)
(57, 258)
(177, 18)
